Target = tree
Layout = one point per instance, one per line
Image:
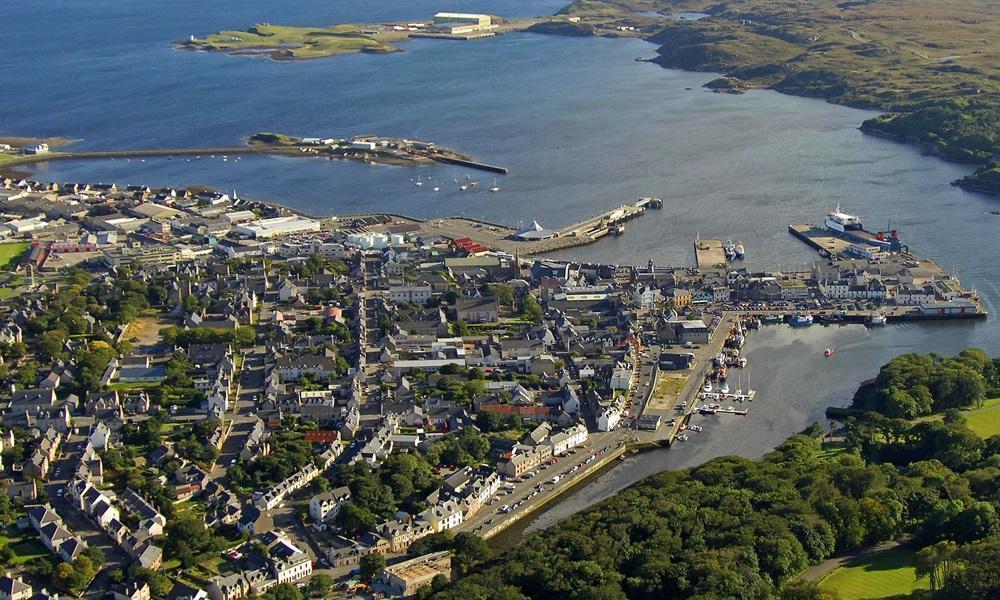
(371, 566)
(978, 572)
(935, 561)
(283, 591)
(320, 585)
(531, 310)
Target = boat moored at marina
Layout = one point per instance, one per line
(800, 320)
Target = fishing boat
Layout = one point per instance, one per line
(729, 249)
(800, 320)
(877, 320)
(740, 251)
(772, 318)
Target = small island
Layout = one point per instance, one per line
(285, 43)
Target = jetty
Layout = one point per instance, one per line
(820, 238)
(709, 254)
(494, 236)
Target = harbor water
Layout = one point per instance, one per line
(581, 125)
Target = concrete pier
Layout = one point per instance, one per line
(709, 254)
(820, 239)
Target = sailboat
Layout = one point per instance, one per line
(494, 187)
(418, 182)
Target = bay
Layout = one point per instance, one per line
(581, 125)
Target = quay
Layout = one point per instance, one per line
(505, 239)
(821, 239)
(470, 164)
(709, 254)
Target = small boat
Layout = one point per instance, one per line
(473, 183)
(683, 437)
(877, 320)
(729, 249)
(800, 320)
(829, 352)
(462, 188)
(436, 189)
(494, 187)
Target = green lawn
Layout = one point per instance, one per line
(831, 452)
(10, 253)
(28, 551)
(985, 421)
(887, 574)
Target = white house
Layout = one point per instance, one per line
(100, 436)
(570, 438)
(323, 507)
(621, 376)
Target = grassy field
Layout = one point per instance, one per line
(283, 42)
(11, 253)
(887, 574)
(984, 421)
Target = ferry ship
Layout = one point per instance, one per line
(850, 227)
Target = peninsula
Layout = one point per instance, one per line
(368, 148)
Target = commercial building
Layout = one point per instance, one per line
(278, 226)
(402, 580)
(450, 18)
(150, 256)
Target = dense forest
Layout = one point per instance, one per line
(736, 528)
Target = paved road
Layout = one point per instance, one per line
(59, 476)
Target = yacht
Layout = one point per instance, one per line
(724, 388)
(707, 387)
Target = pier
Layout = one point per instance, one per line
(820, 239)
(709, 254)
(470, 164)
(503, 238)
